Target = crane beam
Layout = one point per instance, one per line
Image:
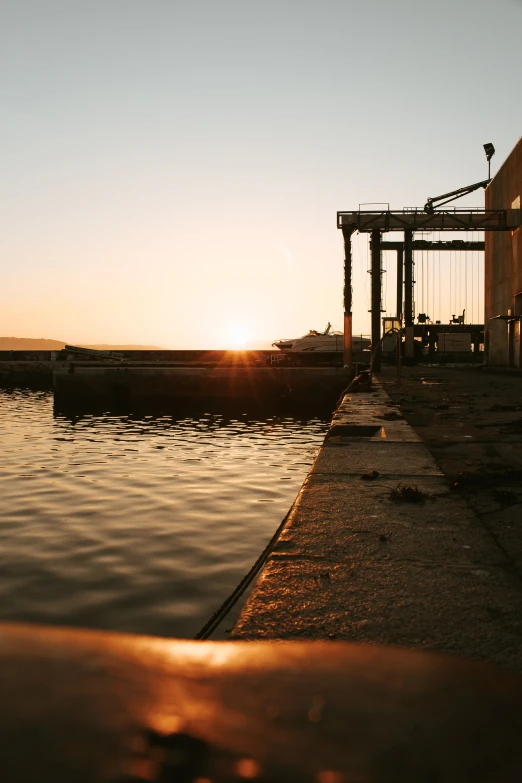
(442, 220)
(423, 244)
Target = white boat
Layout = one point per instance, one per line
(320, 341)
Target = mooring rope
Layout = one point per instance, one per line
(227, 605)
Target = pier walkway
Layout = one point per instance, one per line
(381, 546)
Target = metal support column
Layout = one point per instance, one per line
(376, 299)
(400, 280)
(347, 235)
(409, 315)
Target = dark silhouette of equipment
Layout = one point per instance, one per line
(459, 319)
(439, 201)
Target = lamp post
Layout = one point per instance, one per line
(489, 149)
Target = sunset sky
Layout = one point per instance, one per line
(171, 170)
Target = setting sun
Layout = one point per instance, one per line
(238, 337)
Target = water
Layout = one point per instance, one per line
(135, 523)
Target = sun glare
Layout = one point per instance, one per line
(238, 337)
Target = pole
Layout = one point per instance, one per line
(400, 280)
(398, 357)
(376, 299)
(408, 278)
(347, 342)
(409, 316)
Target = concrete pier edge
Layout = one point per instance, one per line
(355, 562)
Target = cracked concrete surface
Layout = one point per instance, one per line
(354, 564)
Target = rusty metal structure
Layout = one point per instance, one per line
(379, 222)
(503, 268)
(422, 244)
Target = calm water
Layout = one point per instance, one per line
(138, 523)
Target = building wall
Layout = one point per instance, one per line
(503, 266)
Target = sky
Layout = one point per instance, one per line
(172, 169)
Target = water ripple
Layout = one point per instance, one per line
(140, 524)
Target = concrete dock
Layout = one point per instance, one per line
(138, 384)
(136, 377)
(359, 561)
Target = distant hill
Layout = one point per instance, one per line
(43, 344)
(29, 344)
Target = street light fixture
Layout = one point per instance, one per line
(489, 149)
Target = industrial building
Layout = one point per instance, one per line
(503, 269)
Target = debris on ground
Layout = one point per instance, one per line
(323, 575)
(371, 476)
(404, 493)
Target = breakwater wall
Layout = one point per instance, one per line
(135, 377)
(181, 357)
(140, 384)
